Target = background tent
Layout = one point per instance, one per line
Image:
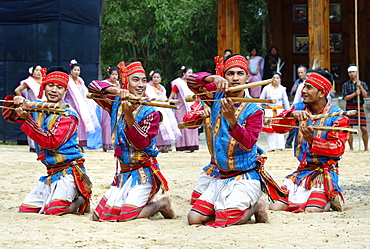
(48, 33)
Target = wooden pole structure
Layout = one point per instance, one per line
(228, 26)
(319, 32)
(358, 75)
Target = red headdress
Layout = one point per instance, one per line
(234, 61)
(125, 71)
(54, 77)
(320, 82)
(43, 73)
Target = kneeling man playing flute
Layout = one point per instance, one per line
(66, 188)
(235, 196)
(313, 187)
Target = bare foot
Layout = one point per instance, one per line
(88, 209)
(75, 205)
(166, 209)
(261, 215)
(95, 217)
(336, 204)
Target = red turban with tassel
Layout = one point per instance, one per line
(125, 71)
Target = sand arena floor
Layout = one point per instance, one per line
(20, 172)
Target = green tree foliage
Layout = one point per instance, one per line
(253, 14)
(166, 34)
(162, 34)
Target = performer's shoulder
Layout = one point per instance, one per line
(299, 105)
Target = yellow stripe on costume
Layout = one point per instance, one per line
(232, 141)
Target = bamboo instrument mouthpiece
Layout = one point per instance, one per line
(181, 125)
(351, 112)
(190, 98)
(89, 95)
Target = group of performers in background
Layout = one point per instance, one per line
(229, 190)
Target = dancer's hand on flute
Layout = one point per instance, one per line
(301, 115)
(205, 113)
(18, 101)
(221, 83)
(127, 107)
(307, 132)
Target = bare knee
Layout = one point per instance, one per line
(277, 206)
(192, 218)
(95, 217)
(195, 218)
(314, 210)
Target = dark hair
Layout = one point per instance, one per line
(278, 73)
(251, 49)
(111, 69)
(273, 48)
(75, 65)
(57, 69)
(310, 70)
(158, 72)
(228, 50)
(326, 74)
(186, 68)
(350, 65)
(34, 68)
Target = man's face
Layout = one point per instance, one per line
(311, 94)
(137, 84)
(76, 71)
(301, 73)
(352, 75)
(54, 92)
(236, 76)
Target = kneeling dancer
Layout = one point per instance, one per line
(66, 188)
(134, 130)
(235, 196)
(313, 187)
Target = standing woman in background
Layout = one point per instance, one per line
(278, 92)
(168, 130)
(272, 60)
(30, 89)
(189, 140)
(255, 68)
(85, 108)
(104, 115)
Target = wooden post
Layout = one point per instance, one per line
(228, 26)
(319, 32)
(276, 26)
(358, 75)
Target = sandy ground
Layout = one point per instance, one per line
(20, 172)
